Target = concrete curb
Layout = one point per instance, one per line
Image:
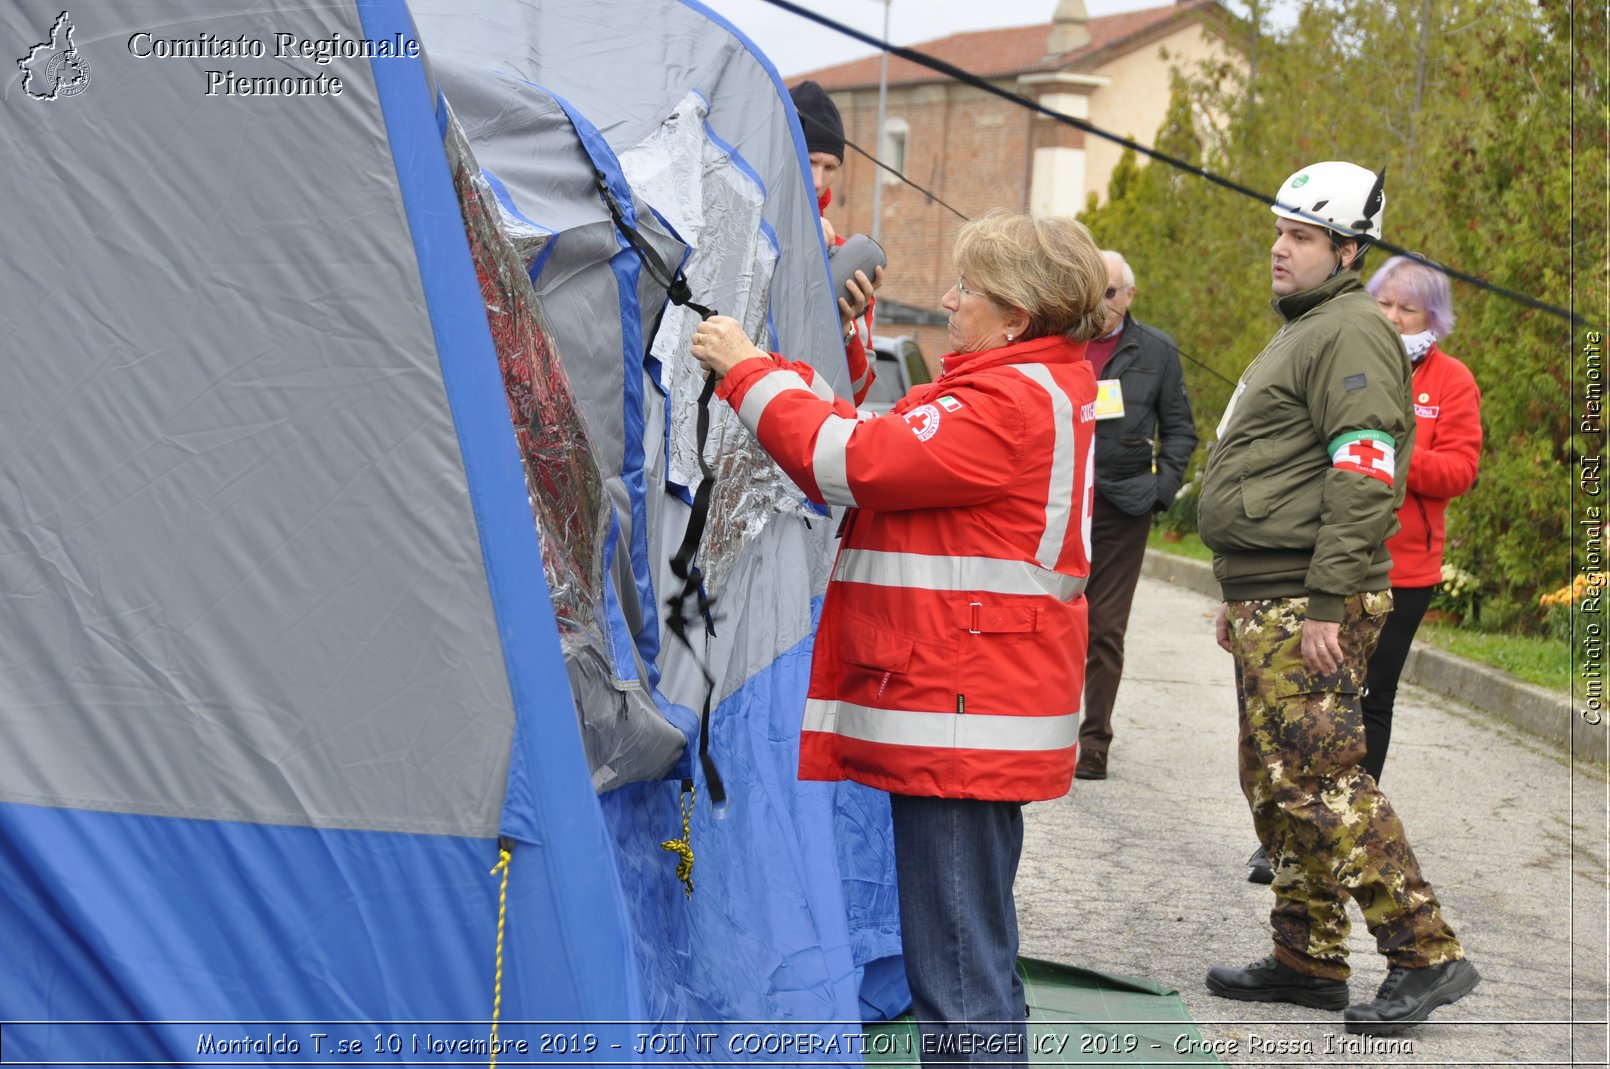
(1544, 713)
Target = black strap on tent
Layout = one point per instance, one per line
(682, 566)
(674, 281)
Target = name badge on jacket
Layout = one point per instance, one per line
(1109, 399)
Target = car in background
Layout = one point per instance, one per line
(898, 366)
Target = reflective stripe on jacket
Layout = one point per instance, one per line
(950, 657)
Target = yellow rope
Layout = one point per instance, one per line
(503, 908)
(683, 847)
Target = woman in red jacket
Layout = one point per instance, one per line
(960, 576)
(1447, 450)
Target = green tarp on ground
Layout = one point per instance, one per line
(1078, 1017)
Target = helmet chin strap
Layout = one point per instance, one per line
(1336, 247)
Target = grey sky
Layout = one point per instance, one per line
(796, 45)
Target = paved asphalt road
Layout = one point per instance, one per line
(1143, 873)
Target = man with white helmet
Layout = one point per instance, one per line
(1297, 502)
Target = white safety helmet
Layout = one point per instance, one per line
(1341, 197)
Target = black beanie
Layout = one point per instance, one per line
(819, 118)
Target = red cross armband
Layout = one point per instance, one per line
(1372, 453)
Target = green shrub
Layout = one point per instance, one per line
(1180, 516)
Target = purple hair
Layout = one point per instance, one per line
(1421, 282)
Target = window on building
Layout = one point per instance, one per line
(893, 151)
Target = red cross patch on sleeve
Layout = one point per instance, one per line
(1372, 453)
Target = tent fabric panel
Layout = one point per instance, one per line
(524, 136)
(547, 174)
(762, 937)
(245, 556)
(793, 151)
(549, 804)
(562, 45)
(640, 299)
(864, 843)
(546, 156)
(152, 919)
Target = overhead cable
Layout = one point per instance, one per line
(922, 59)
(964, 218)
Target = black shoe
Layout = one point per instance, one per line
(1408, 996)
(1270, 981)
(1091, 767)
(1258, 868)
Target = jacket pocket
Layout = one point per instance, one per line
(1257, 482)
(1255, 497)
(1132, 456)
(881, 667)
(867, 645)
(997, 644)
(1140, 392)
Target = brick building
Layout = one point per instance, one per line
(977, 151)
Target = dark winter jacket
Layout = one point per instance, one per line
(1313, 457)
(1156, 424)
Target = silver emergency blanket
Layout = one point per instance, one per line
(697, 187)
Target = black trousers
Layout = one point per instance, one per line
(1409, 604)
(1117, 550)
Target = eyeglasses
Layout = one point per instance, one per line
(961, 288)
(1112, 291)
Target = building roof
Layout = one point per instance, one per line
(1009, 52)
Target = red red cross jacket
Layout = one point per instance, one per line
(858, 356)
(1447, 451)
(950, 657)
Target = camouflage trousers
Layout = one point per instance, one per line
(1329, 831)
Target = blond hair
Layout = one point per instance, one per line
(1049, 268)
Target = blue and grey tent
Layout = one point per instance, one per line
(348, 440)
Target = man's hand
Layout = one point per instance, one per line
(719, 343)
(1322, 646)
(1221, 628)
(829, 235)
(861, 287)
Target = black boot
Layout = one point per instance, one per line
(1258, 868)
(1408, 996)
(1270, 981)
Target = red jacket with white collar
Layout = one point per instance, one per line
(1447, 451)
(950, 657)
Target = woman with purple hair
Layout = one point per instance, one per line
(1447, 449)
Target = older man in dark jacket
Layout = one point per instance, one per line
(1144, 438)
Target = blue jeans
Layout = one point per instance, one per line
(956, 860)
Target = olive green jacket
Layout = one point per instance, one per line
(1281, 519)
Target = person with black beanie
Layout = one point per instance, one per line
(823, 127)
(824, 136)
